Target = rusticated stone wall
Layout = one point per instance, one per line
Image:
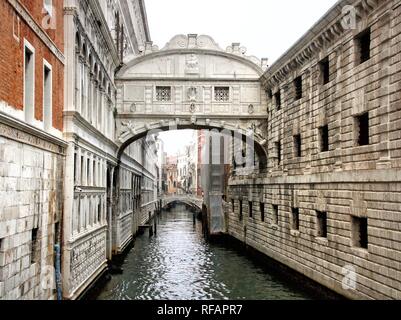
(31, 173)
(351, 182)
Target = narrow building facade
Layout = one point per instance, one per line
(32, 152)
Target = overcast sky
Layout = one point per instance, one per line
(267, 28)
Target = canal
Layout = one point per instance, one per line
(179, 264)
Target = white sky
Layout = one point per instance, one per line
(175, 141)
(267, 28)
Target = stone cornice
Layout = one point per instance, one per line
(20, 131)
(78, 119)
(142, 170)
(127, 79)
(145, 19)
(328, 29)
(346, 176)
(30, 21)
(155, 53)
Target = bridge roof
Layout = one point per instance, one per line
(193, 56)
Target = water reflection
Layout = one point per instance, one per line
(179, 264)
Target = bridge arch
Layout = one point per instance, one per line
(258, 142)
(189, 200)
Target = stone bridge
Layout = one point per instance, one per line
(192, 83)
(190, 200)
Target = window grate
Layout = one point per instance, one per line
(277, 98)
(325, 70)
(275, 214)
(324, 138)
(262, 211)
(360, 232)
(295, 219)
(250, 209)
(163, 94)
(321, 224)
(221, 94)
(297, 146)
(278, 152)
(363, 41)
(362, 129)
(298, 88)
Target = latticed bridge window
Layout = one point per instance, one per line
(163, 93)
(221, 94)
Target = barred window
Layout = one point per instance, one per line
(163, 93)
(221, 94)
(298, 88)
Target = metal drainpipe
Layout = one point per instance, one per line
(57, 249)
(58, 272)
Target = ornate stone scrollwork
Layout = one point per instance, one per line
(192, 94)
(127, 128)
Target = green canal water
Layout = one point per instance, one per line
(179, 264)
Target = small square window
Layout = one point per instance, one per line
(321, 224)
(363, 41)
(275, 214)
(362, 129)
(278, 151)
(222, 94)
(163, 94)
(262, 212)
(34, 246)
(295, 219)
(1, 244)
(298, 88)
(250, 209)
(277, 99)
(297, 146)
(324, 138)
(360, 232)
(325, 70)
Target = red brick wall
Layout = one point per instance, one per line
(12, 58)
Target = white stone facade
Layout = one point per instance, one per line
(31, 195)
(102, 191)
